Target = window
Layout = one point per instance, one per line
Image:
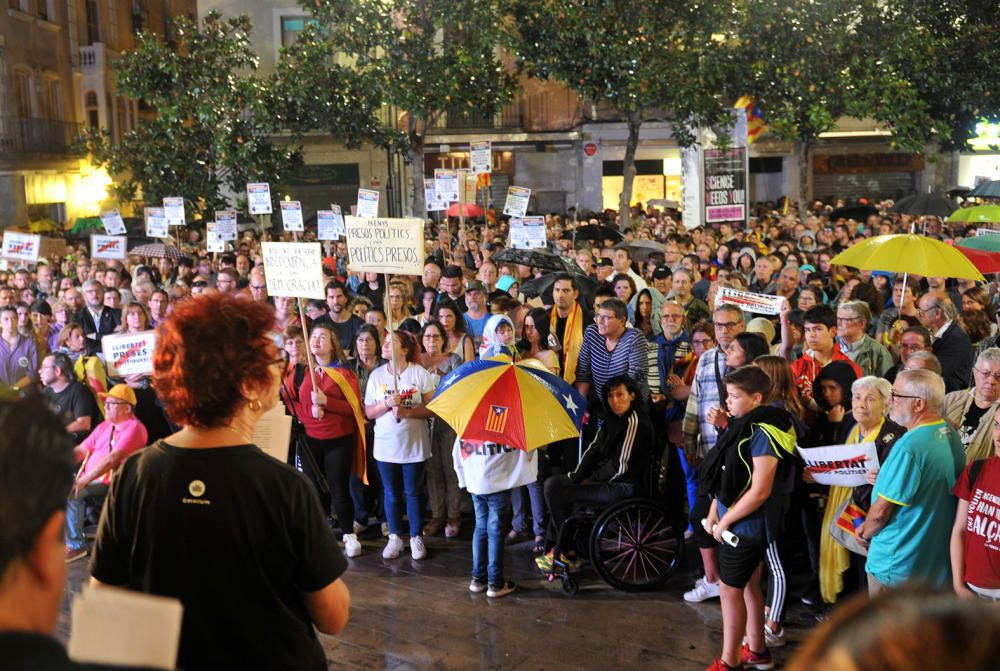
(92, 109)
(93, 22)
(51, 107)
(19, 5)
(47, 10)
(22, 93)
(292, 26)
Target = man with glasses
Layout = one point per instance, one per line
(971, 411)
(910, 519)
(852, 322)
(951, 344)
(226, 281)
(258, 285)
(114, 439)
(610, 348)
(914, 339)
(70, 399)
(695, 310)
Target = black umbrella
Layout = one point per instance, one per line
(990, 189)
(855, 212)
(537, 258)
(542, 287)
(595, 233)
(924, 205)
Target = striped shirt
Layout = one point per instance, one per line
(597, 365)
(700, 435)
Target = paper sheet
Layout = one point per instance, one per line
(273, 433)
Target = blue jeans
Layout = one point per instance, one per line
(537, 508)
(76, 513)
(487, 539)
(399, 481)
(690, 479)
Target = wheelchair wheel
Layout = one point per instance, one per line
(634, 547)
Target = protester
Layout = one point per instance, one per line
(18, 352)
(975, 564)
(951, 344)
(459, 342)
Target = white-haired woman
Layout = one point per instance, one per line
(869, 407)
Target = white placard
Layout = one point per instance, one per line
(481, 156)
(528, 233)
(986, 231)
(291, 215)
(225, 224)
(294, 269)
(763, 304)
(367, 203)
(113, 224)
(841, 465)
(156, 222)
(446, 184)
(273, 431)
(129, 353)
(394, 246)
(21, 246)
(173, 208)
(213, 239)
(517, 201)
(434, 201)
(259, 198)
(108, 247)
(330, 223)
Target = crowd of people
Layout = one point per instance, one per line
(675, 381)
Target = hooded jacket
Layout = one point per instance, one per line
(621, 450)
(490, 334)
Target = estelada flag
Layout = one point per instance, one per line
(851, 518)
(755, 119)
(482, 180)
(348, 384)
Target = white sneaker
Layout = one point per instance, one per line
(417, 548)
(702, 591)
(352, 548)
(774, 639)
(393, 548)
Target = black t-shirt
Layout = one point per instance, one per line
(73, 402)
(970, 423)
(237, 537)
(347, 332)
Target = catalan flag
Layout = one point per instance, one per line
(496, 419)
(482, 181)
(755, 119)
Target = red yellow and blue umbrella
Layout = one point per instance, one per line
(522, 405)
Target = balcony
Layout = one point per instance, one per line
(31, 138)
(95, 57)
(510, 117)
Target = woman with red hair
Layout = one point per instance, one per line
(205, 517)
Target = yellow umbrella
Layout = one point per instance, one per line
(909, 253)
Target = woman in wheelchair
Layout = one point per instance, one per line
(615, 465)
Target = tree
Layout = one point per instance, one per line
(646, 58)
(427, 58)
(213, 124)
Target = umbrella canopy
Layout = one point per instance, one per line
(538, 258)
(984, 243)
(982, 214)
(542, 287)
(985, 262)
(909, 253)
(990, 189)
(465, 210)
(158, 250)
(855, 212)
(924, 205)
(595, 233)
(522, 405)
(641, 249)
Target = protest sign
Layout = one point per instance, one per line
(173, 209)
(986, 231)
(156, 222)
(21, 246)
(517, 201)
(330, 223)
(433, 199)
(107, 246)
(763, 304)
(291, 215)
(841, 465)
(214, 242)
(129, 353)
(481, 156)
(725, 185)
(225, 224)
(50, 247)
(528, 233)
(113, 224)
(294, 269)
(393, 246)
(446, 183)
(367, 203)
(259, 198)
(466, 186)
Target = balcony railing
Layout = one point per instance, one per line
(25, 138)
(95, 57)
(510, 117)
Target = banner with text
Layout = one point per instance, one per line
(517, 201)
(725, 185)
(113, 223)
(446, 184)
(528, 233)
(129, 353)
(107, 247)
(841, 465)
(433, 199)
(330, 223)
(294, 269)
(763, 304)
(394, 246)
(225, 224)
(173, 209)
(259, 198)
(367, 203)
(156, 222)
(21, 246)
(291, 215)
(481, 156)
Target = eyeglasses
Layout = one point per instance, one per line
(924, 311)
(111, 403)
(258, 287)
(701, 341)
(987, 374)
(726, 326)
(893, 396)
(666, 317)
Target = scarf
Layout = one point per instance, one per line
(572, 341)
(348, 384)
(666, 353)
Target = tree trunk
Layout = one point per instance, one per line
(803, 149)
(628, 172)
(414, 160)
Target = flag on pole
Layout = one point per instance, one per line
(755, 119)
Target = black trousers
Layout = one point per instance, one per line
(335, 456)
(561, 493)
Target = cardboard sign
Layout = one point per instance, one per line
(330, 223)
(113, 224)
(52, 247)
(21, 246)
(528, 233)
(225, 224)
(294, 269)
(129, 353)
(517, 201)
(367, 203)
(156, 222)
(433, 199)
(841, 465)
(446, 183)
(213, 239)
(764, 304)
(481, 156)
(394, 246)
(107, 247)
(291, 215)
(173, 209)
(259, 198)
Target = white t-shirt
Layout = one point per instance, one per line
(407, 441)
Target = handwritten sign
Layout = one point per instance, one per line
(433, 199)
(225, 224)
(113, 224)
(214, 241)
(173, 209)
(481, 156)
(446, 183)
(367, 203)
(259, 198)
(291, 215)
(129, 353)
(386, 245)
(21, 246)
(841, 465)
(528, 233)
(156, 222)
(294, 269)
(516, 204)
(330, 223)
(107, 246)
(764, 304)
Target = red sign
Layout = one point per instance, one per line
(590, 149)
